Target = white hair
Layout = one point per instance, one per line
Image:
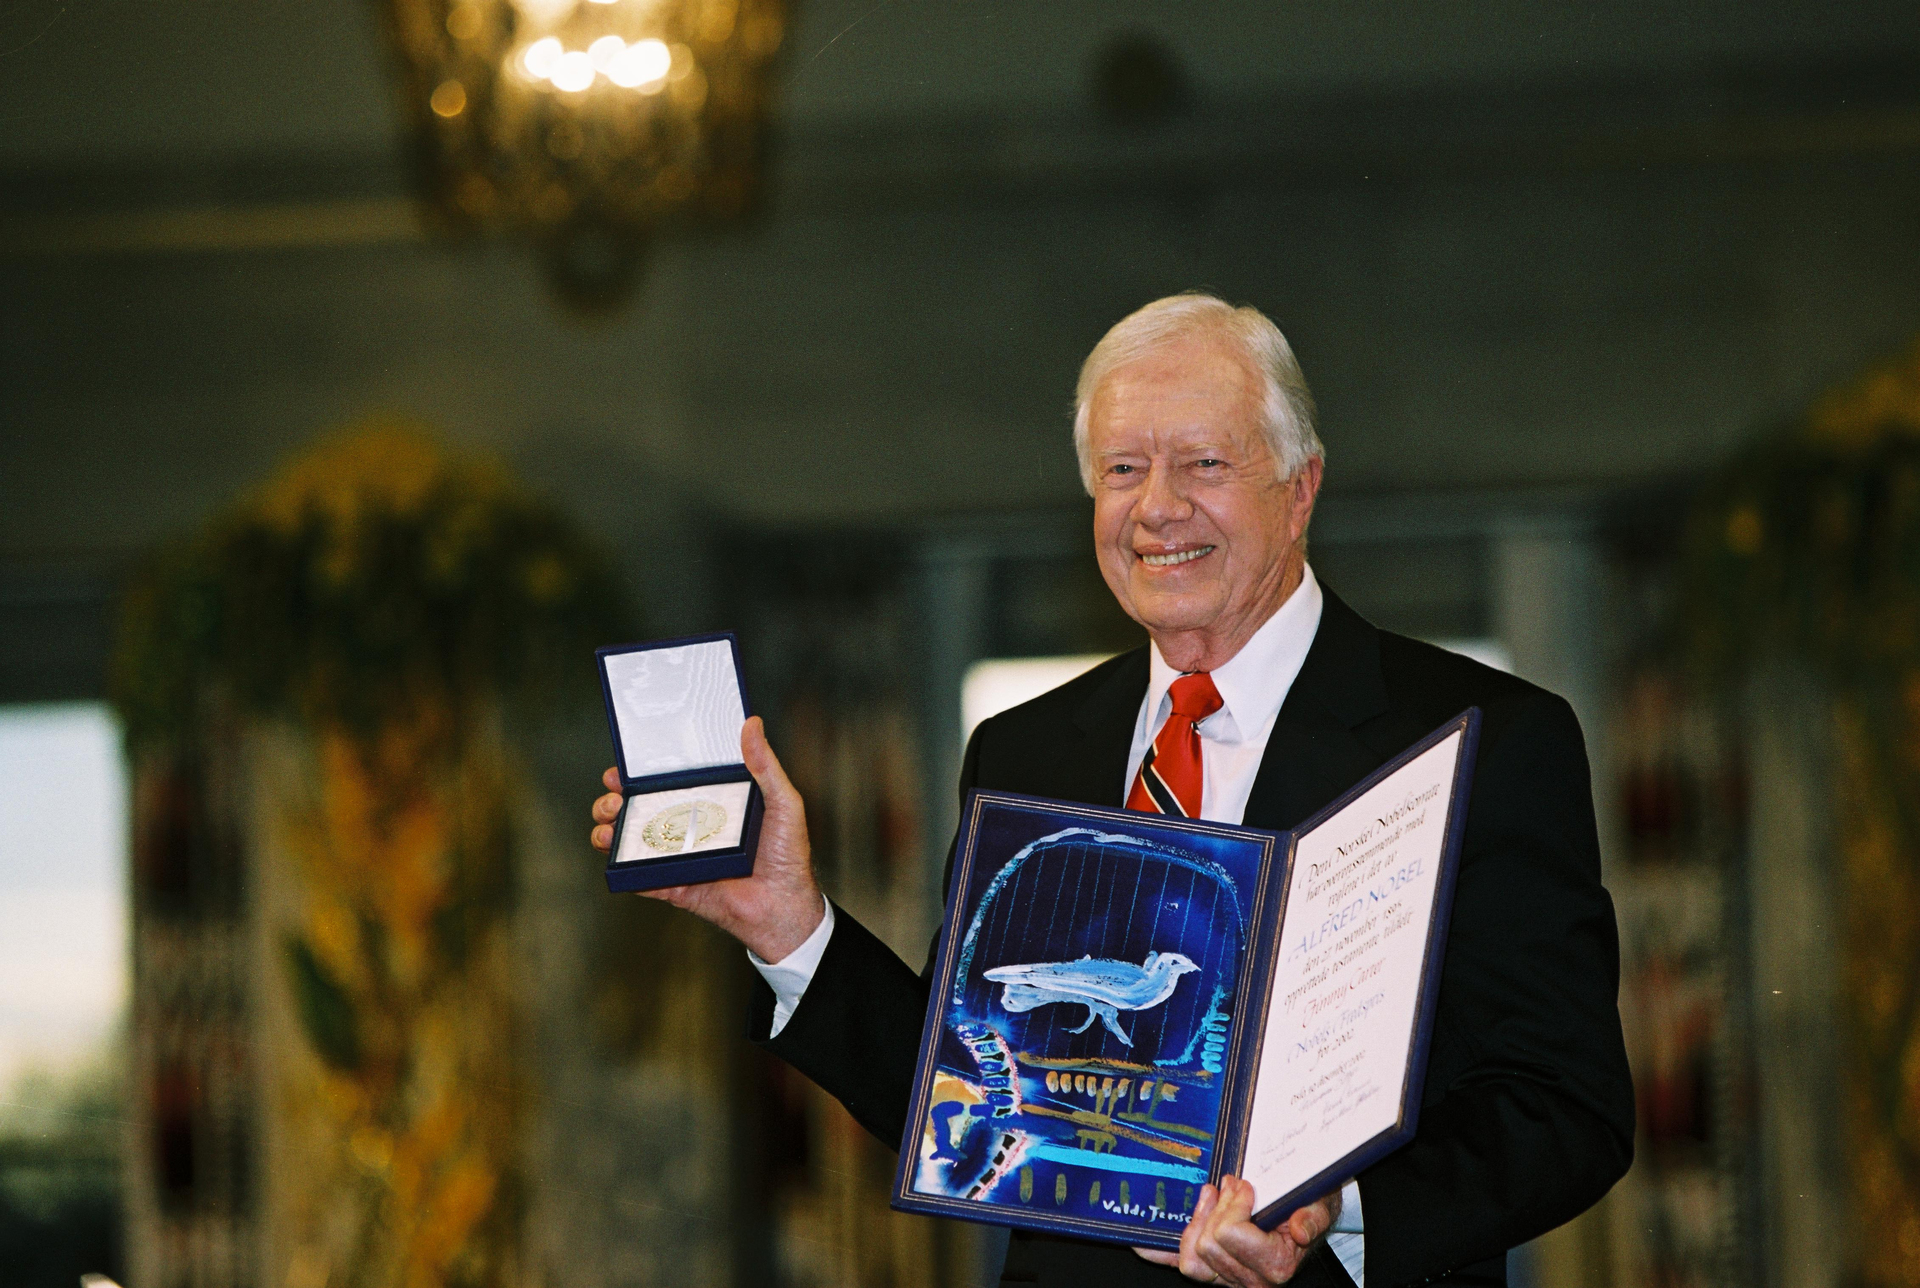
(1286, 406)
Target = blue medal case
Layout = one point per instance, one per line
(675, 708)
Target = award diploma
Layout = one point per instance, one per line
(1335, 1067)
(1127, 1006)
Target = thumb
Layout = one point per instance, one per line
(757, 752)
(1310, 1222)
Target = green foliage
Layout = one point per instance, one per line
(377, 576)
(1811, 551)
(326, 1011)
(1809, 544)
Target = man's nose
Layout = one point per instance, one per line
(1163, 500)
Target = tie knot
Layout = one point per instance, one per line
(1194, 696)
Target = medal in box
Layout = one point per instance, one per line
(692, 811)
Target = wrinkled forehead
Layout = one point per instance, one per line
(1184, 393)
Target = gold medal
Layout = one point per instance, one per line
(680, 827)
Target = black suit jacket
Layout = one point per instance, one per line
(1527, 1115)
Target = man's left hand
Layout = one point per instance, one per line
(1222, 1245)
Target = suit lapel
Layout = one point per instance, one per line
(1314, 753)
(1093, 772)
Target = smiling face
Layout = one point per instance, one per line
(1198, 537)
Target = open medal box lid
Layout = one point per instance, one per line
(692, 811)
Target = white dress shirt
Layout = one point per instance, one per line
(1252, 685)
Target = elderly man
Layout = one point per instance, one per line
(1195, 437)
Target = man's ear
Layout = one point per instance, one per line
(1305, 484)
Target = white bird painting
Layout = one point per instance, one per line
(1104, 986)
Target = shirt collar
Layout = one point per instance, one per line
(1253, 683)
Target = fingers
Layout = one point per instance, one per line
(605, 810)
(1222, 1245)
(1233, 1209)
(1269, 1258)
(1158, 1256)
(1191, 1263)
(1240, 1252)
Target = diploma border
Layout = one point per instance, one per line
(1244, 1070)
(908, 1199)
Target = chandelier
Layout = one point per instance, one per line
(586, 124)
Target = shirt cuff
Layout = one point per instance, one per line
(1350, 1220)
(1346, 1240)
(789, 977)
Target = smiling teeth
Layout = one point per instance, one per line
(1167, 561)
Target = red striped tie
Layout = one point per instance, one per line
(1170, 777)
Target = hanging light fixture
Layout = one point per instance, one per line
(587, 124)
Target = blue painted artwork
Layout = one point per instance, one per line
(1105, 988)
(1087, 1004)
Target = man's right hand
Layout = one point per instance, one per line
(772, 911)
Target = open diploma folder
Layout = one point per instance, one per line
(692, 811)
(1126, 1006)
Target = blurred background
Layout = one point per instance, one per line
(364, 365)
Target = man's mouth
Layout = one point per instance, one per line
(1168, 561)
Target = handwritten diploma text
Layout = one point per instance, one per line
(1346, 987)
